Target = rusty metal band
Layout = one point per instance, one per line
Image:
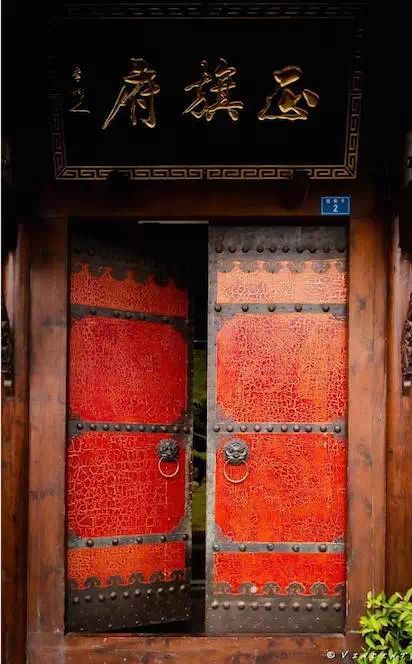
(297, 260)
(280, 242)
(274, 308)
(83, 310)
(223, 545)
(96, 609)
(226, 426)
(76, 427)
(248, 612)
(74, 542)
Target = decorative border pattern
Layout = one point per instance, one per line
(270, 588)
(213, 10)
(7, 349)
(406, 350)
(96, 609)
(275, 11)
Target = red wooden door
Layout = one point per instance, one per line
(277, 429)
(129, 433)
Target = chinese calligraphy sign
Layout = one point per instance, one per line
(137, 92)
(79, 93)
(220, 84)
(212, 93)
(285, 99)
(160, 98)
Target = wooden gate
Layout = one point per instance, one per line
(277, 429)
(129, 432)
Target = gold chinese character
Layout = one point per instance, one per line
(138, 91)
(220, 85)
(79, 93)
(285, 100)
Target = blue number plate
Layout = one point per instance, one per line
(335, 205)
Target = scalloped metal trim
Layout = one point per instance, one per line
(97, 609)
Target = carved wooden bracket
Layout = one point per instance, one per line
(295, 190)
(405, 216)
(7, 350)
(407, 351)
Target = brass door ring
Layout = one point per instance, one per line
(163, 474)
(242, 479)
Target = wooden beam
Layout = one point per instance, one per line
(14, 469)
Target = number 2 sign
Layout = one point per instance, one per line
(335, 205)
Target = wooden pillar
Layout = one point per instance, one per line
(399, 426)
(15, 457)
(367, 391)
(48, 348)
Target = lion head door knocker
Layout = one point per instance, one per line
(236, 453)
(168, 452)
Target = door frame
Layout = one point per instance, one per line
(47, 641)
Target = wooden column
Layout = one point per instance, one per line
(366, 431)
(15, 457)
(48, 343)
(399, 426)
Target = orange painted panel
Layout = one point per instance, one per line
(115, 487)
(123, 561)
(105, 290)
(127, 371)
(295, 490)
(283, 281)
(281, 569)
(282, 368)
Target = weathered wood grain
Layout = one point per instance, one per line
(399, 427)
(48, 342)
(15, 457)
(366, 426)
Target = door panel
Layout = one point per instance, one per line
(277, 429)
(309, 473)
(124, 467)
(129, 428)
(136, 370)
(306, 354)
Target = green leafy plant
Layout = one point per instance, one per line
(387, 629)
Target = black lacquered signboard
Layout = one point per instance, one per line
(206, 92)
